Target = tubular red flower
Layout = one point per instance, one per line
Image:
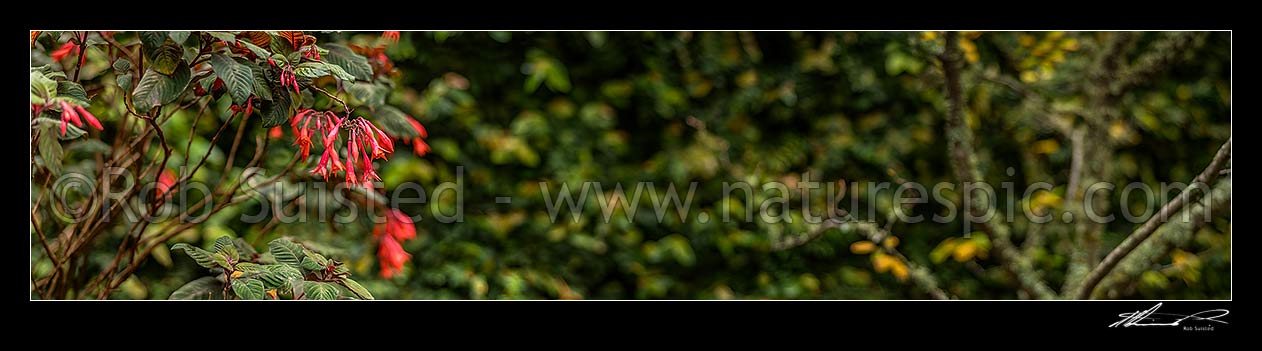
(391, 256)
(68, 48)
(88, 116)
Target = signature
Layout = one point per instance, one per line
(1152, 318)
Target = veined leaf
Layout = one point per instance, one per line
(367, 93)
(262, 87)
(156, 89)
(278, 275)
(178, 36)
(238, 78)
(42, 88)
(394, 122)
(258, 51)
(225, 246)
(167, 57)
(225, 36)
(357, 289)
(121, 66)
(54, 125)
(72, 91)
(351, 62)
(152, 40)
(202, 257)
(311, 70)
(204, 288)
(260, 39)
(248, 289)
(50, 150)
(124, 81)
(319, 291)
(286, 252)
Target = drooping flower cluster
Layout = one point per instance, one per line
(364, 143)
(70, 113)
(397, 228)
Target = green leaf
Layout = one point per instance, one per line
(152, 40)
(248, 289)
(202, 257)
(225, 246)
(54, 126)
(50, 150)
(166, 58)
(276, 111)
(319, 291)
(178, 36)
(262, 87)
(311, 70)
(204, 288)
(156, 89)
(352, 63)
(248, 267)
(357, 289)
(229, 37)
(221, 259)
(42, 88)
(368, 94)
(124, 81)
(338, 72)
(286, 252)
(258, 51)
(121, 66)
(238, 78)
(278, 275)
(72, 91)
(394, 122)
(311, 264)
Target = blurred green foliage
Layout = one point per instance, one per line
(516, 109)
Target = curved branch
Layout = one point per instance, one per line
(1144, 231)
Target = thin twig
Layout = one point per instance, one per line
(1144, 231)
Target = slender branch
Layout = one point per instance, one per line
(1144, 231)
(964, 162)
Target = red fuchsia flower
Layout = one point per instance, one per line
(248, 109)
(391, 35)
(307, 122)
(69, 48)
(275, 132)
(165, 181)
(419, 147)
(366, 143)
(397, 225)
(397, 228)
(391, 256)
(311, 53)
(71, 113)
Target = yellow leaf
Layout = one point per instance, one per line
(1045, 199)
(890, 242)
(1046, 146)
(882, 263)
(928, 36)
(1029, 76)
(237, 274)
(899, 270)
(965, 251)
(944, 249)
(862, 247)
